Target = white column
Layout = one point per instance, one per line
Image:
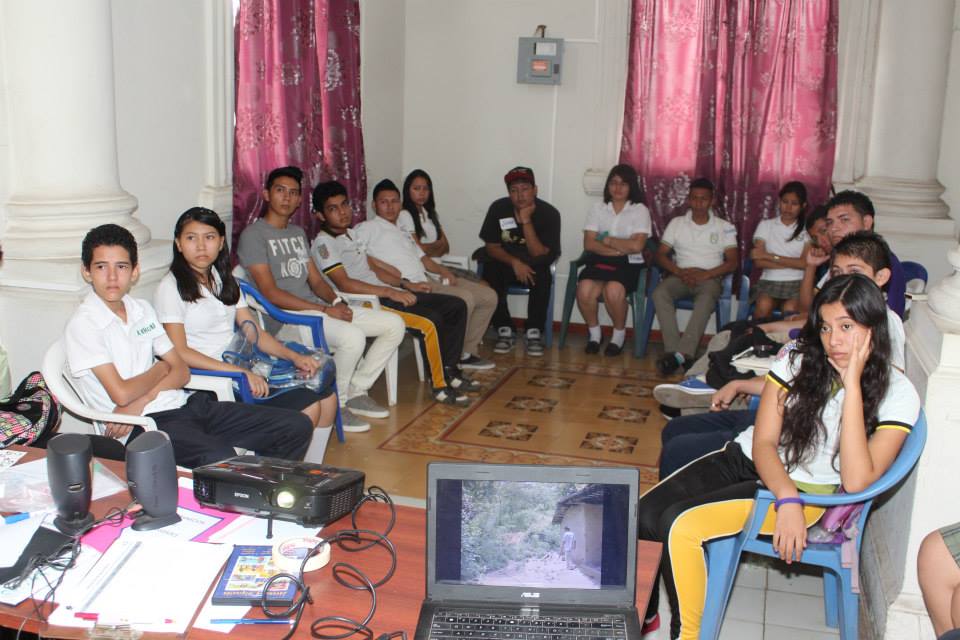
(217, 193)
(59, 72)
(910, 85)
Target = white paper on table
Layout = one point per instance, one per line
(38, 588)
(26, 487)
(15, 537)
(8, 457)
(144, 582)
(212, 611)
(254, 531)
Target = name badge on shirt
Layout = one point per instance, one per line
(508, 223)
(635, 258)
(148, 329)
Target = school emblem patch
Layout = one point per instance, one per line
(324, 251)
(714, 238)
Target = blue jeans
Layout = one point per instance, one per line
(687, 438)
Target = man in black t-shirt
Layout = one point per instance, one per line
(522, 239)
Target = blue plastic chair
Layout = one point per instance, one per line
(914, 271)
(637, 301)
(721, 312)
(841, 604)
(315, 323)
(517, 290)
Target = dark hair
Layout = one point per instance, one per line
(629, 175)
(384, 185)
(326, 190)
(430, 205)
(281, 172)
(798, 189)
(859, 201)
(819, 212)
(187, 284)
(108, 235)
(817, 380)
(867, 246)
(702, 183)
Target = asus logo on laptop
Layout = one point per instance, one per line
(530, 594)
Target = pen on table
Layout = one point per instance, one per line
(249, 621)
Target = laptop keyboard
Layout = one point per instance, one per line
(478, 624)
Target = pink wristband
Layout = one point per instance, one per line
(791, 500)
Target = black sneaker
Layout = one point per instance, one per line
(475, 363)
(463, 384)
(669, 413)
(504, 343)
(667, 364)
(450, 396)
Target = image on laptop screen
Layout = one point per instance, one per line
(543, 535)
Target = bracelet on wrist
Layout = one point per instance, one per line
(789, 500)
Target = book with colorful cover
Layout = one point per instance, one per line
(248, 569)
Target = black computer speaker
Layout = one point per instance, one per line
(152, 478)
(71, 485)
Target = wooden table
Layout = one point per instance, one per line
(398, 601)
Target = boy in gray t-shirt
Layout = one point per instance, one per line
(276, 255)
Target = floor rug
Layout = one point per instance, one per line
(555, 413)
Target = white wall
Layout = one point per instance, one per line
(382, 77)
(160, 88)
(948, 170)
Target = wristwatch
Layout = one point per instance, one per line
(776, 258)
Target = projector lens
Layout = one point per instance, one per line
(285, 499)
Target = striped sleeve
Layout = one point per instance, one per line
(326, 253)
(784, 368)
(900, 407)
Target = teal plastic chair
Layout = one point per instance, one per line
(841, 604)
(637, 301)
(315, 323)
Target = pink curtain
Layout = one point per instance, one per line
(743, 92)
(298, 101)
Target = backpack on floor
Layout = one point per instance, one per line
(28, 414)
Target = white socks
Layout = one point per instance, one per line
(619, 335)
(595, 334)
(318, 445)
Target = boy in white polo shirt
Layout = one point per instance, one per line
(704, 250)
(111, 342)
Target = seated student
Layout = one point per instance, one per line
(419, 215)
(521, 235)
(439, 319)
(395, 250)
(938, 570)
(705, 250)
(613, 238)
(688, 437)
(276, 255)
(199, 303)
(779, 248)
(111, 341)
(838, 373)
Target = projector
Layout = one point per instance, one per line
(310, 494)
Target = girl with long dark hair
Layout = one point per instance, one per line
(779, 248)
(419, 214)
(613, 239)
(833, 413)
(199, 303)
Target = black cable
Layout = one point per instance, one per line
(350, 541)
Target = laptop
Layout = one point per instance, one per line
(530, 551)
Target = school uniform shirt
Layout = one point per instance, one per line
(95, 335)
(208, 323)
(699, 245)
(405, 222)
(899, 409)
(388, 242)
(776, 239)
(634, 218)
(331, 252)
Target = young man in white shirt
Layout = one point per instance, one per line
(276, 255)
(705, 250)
(111, 342)
(440, 320)
(391, 245)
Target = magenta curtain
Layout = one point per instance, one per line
(297, 101)
(743, 92)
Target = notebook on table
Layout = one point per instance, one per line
(524, 551)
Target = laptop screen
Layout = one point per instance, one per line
(553, 536)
